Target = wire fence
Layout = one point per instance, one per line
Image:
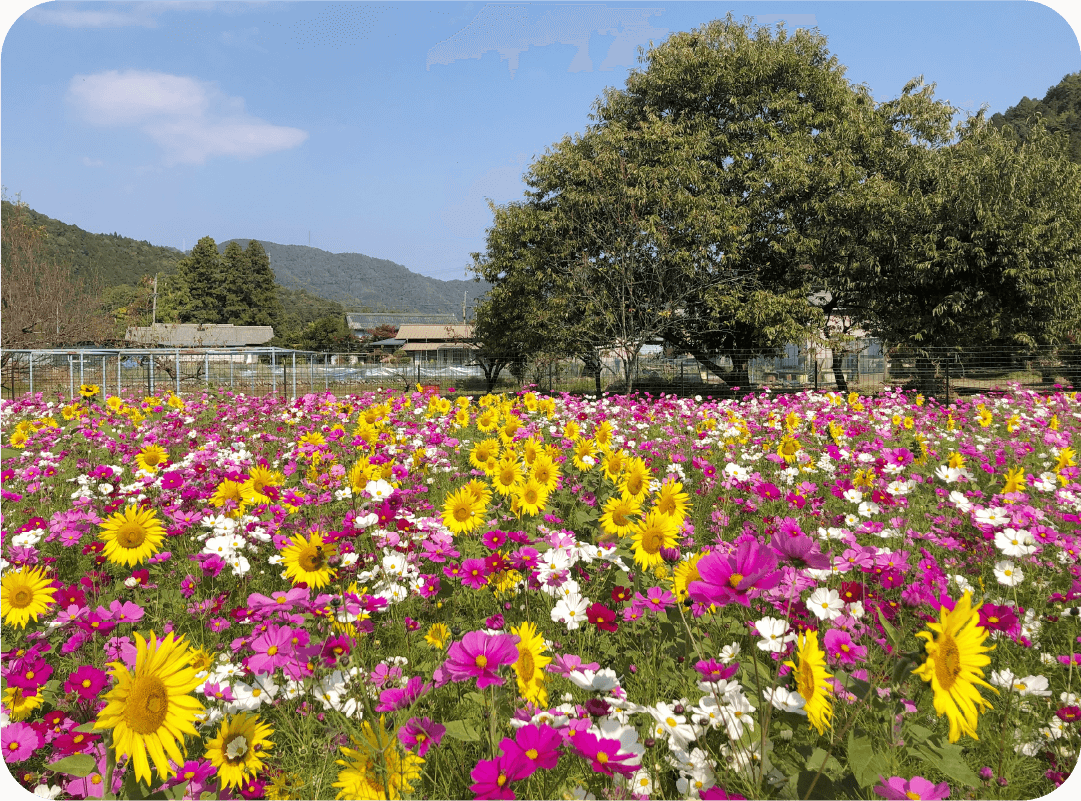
(867, 368)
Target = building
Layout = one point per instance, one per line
(441, 345)
(360, 322)
(195, 335)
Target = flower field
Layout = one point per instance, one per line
(420, 596)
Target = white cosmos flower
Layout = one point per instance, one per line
(1008, 574)
(1015, 543)
(826, 604)
(853, 495)
(869, 508)
(785, 700)
(772, 631)
(729, 653)
(571, 610)
(993, 516)
(379, 490)
(603, 680)
(963, 504)
(1031, 685)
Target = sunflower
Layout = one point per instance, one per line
(509, 428)
(788, 448)
(376, 768)
(654, 532)
(20, 702)
(18, 439)
(313, 439)
(812, 681)
(479, 490)
(488, 420)
(545, 471)
(24, 594)
(462, 511)
(683, 574)
(585, 449)
(228, 491)
(132, 536)
(612, 463)
(617, 517)
(602, 435)
(150, 710)
(531, 449)
(89, 390)
(258, 479)
(1015, 481)
(483, 451)
(508, 476)
(532, 497)
(151, 457)
(954, 666)
(461, 417)
(572, 430)
(672, 500)
(236, 750)
(360, 474)
(635, 480)
(530, 665)
(114, 403)
(437, 636)
(307, 560)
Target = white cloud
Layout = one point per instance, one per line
(191, 120)
(124, 15)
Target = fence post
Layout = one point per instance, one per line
(150, 359)
(82, 379)
(206, 368)
(31, 372)
(814, 355)
(326, 375)
(682, 382)
(71, 375)
(947, 380)
(231, 358)
(104, 379)
(118, 373)
(273, 373)
(176, 366)
(311, 373)
(294, 375)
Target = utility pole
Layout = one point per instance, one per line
(154, 302)
(464, 296)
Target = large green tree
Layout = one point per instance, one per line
(264, 306)
(199, 285)
(237, 285)
(1060, 111)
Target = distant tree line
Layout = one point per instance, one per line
(739, 174)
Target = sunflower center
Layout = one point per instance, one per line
(947, 663)
(312, 559)
(526, 665)
(147, 706)
(152, 458)
(131, 535)
(530, 496)
(806, 681)
(22, 597)
(618, 518)
(652, 542)
(462, 512)
(734, 580)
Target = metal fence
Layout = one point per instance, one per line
(866, 367)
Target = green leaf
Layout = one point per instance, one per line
(858, 687)
(460, 730)
(88, 728)
(820, 760)
(476, 698)
(9, 453)
(891, 633)
(948, 758)
(866, 765)
(78, 765)
(823, 787)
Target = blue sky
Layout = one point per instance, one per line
(381, 128)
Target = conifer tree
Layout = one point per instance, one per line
(237, 285)
(201, 275)
(264, 306)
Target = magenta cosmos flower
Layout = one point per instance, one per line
(480, 656)
(493, 777)
(19, 741)
(732, 578)
(917, 788)
(539, 744)
(422, 734)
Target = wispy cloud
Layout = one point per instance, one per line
(124, 15)
(191, 120)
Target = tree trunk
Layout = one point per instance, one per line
(927, 376)
(838, 370)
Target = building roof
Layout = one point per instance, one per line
(193, 335)
(426, 346)
(363, 321)
(388, 343)
(437, 333)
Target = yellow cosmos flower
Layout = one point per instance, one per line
(131, 537)
(529, 669)
(151, 709)
(956, 460)
(308, 560)
(24, 594)
(377, 768)
(653, 533)
(463, 511)
(1065, 459)
(955, 659)
(1015, 481)
(236, 751)
(812, 681)
(151, 457)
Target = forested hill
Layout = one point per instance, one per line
(356, 280)
(1060, 109)
(109, 258)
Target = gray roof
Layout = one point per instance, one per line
(362, 321)
(193, 335)
(389, 342)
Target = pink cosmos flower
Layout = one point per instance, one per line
(726, 579)
(839, 646)
(564, 664)
(474, 573)
(605, 754)
(480, 656)
(492, 777)
(19, 741)
(273, 649)
(87, 681)
(539, 744)
(713, 671)
(399, 698)
(421, 733)
(917, 788)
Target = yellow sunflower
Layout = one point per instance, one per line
(619, 513)
(89, 390)
(480, 491)
(483, 451)
(236, 751)
(585, 455)
(228, 491)
(308, 559)
(151, 709)
(530, 665)
(672, 500)
(612, 463)
(602, 435)
(545, 471)
(509, 428)
(132, 536)
(653, 533)
(24, 594)
(20, 702)
(954, 666)
(531, 449)
(788, 448)
(462, 511)
(812, 680)
(532, 497)
(685, 571)
(259, 479)
(377, 768)
(437, 635)
(635, 479)
(488, 420)
(508, 476)
(151, 457)
(571, 430)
